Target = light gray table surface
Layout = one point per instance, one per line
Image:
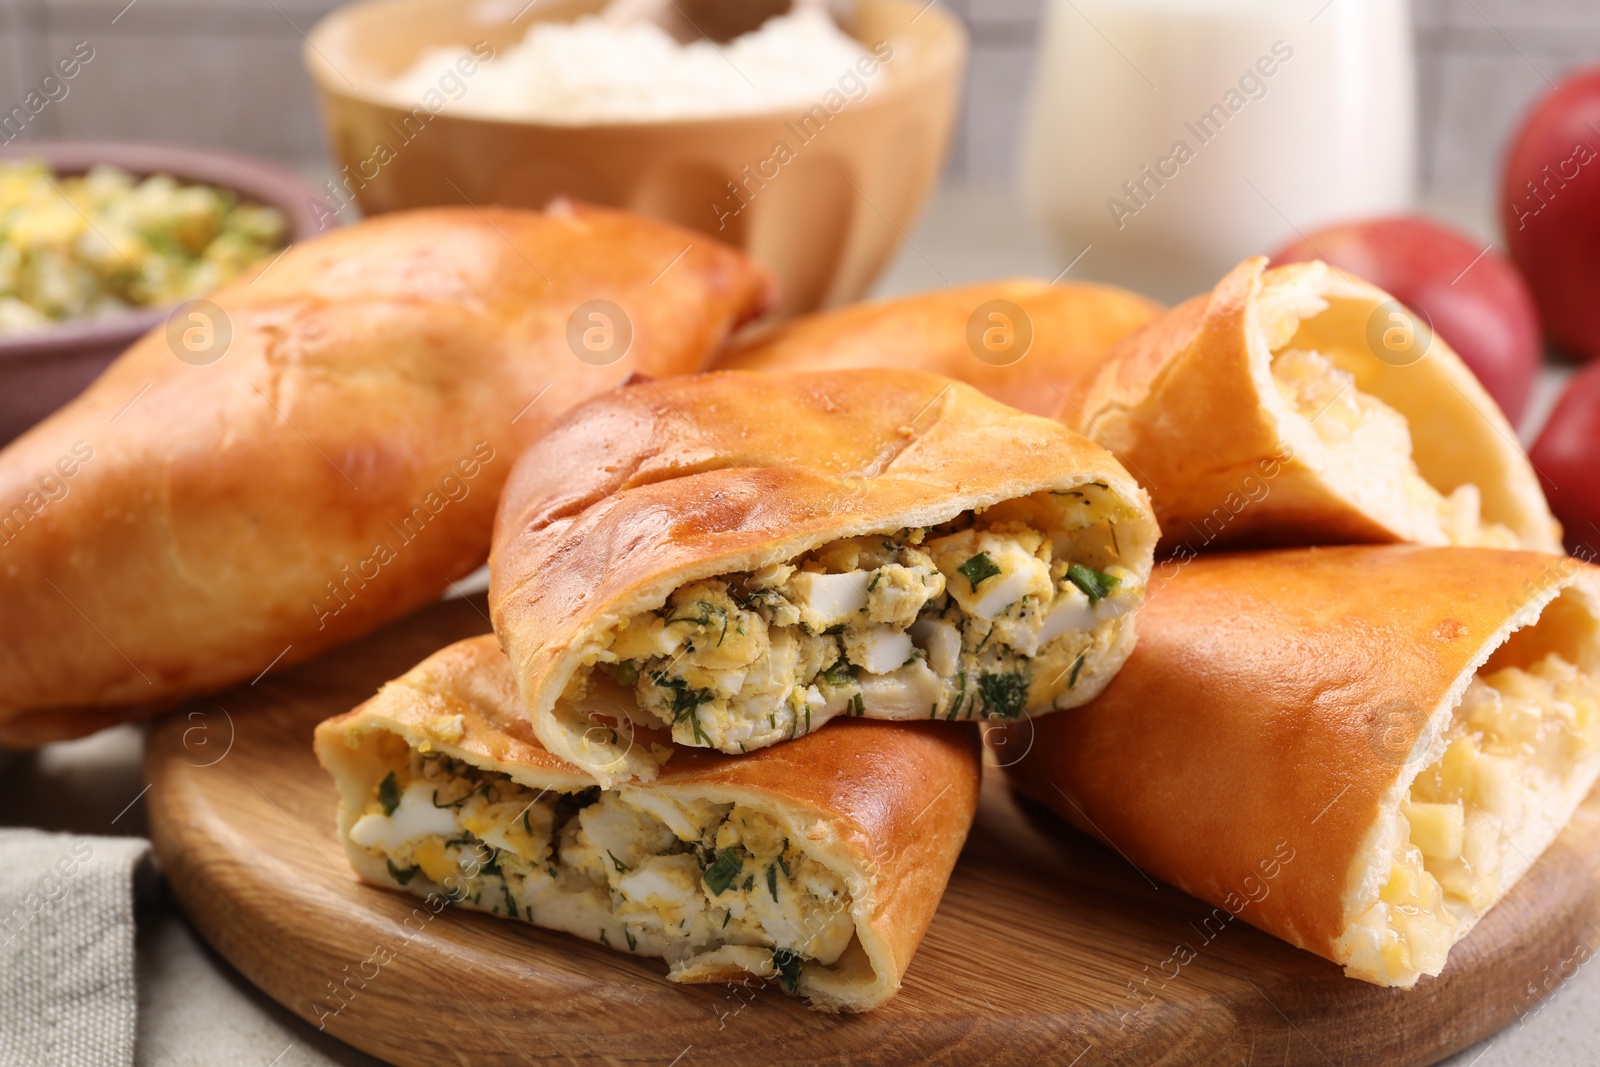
(196, 1011)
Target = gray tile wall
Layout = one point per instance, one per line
(228, 73)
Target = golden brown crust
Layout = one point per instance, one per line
(369, 372)
(890, 803)
(1188, 403)
(1272, 708)
(1072, 327)
(661, 483)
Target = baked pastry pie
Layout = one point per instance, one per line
(1358, 749)
(1300, 405)
(319, 451)
(1021, 341)
(817, 864)
(739, 557)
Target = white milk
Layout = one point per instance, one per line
(1177, 137)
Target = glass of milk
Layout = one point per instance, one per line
(1169, 139)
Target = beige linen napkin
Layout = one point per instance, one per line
(66, 949)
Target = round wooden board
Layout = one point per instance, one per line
(1047, 948)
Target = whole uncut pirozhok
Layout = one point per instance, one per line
(332, 462)
(731, 560)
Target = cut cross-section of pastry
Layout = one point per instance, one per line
(1303, 406)
(1360, 749)
(817, 865)
(740, 557)
(1022, 341)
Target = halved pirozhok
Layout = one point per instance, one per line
(740, 557)
(1360, 750)
(817, 864)
(1301, 405)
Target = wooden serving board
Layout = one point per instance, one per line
(1047, 948)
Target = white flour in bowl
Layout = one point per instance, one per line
(592, 71)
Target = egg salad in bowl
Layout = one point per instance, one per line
(98, 244)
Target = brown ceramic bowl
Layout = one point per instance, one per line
(825, 225)
(41, 371)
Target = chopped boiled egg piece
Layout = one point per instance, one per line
(415, 816)
(906, 692)
(1071, 611)
(826, 600)
(985, 572)
(434, 861)
(646, 635)
(941, 641)
(668, 884)
(878, 649)
(688, 819)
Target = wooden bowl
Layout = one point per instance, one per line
(42, 370)
(825, 221)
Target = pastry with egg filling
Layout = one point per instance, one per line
(1021, 341)
(1358, 749)
(318, 450)
(816, 865)
(1301, 405)
(739, 557)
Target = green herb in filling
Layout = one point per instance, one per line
(1096, 585)
(389, 794)
(772, 880)
(622, 868)
(1003, 694)
(1077, 666)
(492, 864)
(686, 701)
(486, 789)
(788, 966)
(401, 876)
(708, 616)
(723, 871)
(961, 692)
(978, 569)
(841, 672)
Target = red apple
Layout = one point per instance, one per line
(1550, 210)
(1473, 298)
(1567, 456)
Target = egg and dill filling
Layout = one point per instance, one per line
(1524, 738)
(815, 866)
(636, 870)
(987, 616)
